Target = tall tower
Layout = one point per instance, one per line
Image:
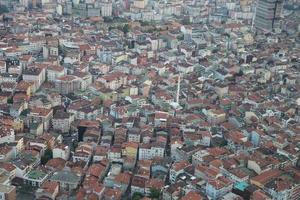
(178, 90)
(267, 14)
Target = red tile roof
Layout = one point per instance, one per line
(192, 196)
(264, 177)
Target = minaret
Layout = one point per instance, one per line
(178, 90)
(253, 18)
(228, 43)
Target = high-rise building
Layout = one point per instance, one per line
(267, 17)
(106, 8)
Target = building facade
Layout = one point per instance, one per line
(268, 13)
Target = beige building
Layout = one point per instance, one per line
(68, 84)
(8, 192)
(54, 72)
(61, 151)
(37, 75)
(141, 4)
(216, 116)
(62, 121)
(41, 115)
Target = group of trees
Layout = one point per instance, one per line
(186, 21)
(145, 23)
(3, 9)
(114, 20)
(154, 194)
(47, 156)
(125, 29)
(117, 24)
(108, 19)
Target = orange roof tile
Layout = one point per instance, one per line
(192, 195)
(264, 177)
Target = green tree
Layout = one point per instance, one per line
(25, 112)
(180, 37)
(3, 9)
(136, 196)
(215, 50)
(74, 145)
(144, 23)
(108, 19)
(10, 100)
(186, 21)
(240, 73)
(154, 193)
(126, 28)
(110, 28)
(47, 156)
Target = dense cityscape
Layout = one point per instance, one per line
(150, 99)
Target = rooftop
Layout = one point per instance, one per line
(36, 174)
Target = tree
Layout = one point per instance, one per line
(298, 163)
(25, 112)
(136, 196)
(126, 28)
(215, 50)
(180, 37)
(240, 73)
(110, 28)
(154, 193)
(3, 9)
(108, 19)
(74, 145)
(10, 100)
(186, 21)
(144, 23)
(47, 156)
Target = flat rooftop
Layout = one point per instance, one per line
(36, 174)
